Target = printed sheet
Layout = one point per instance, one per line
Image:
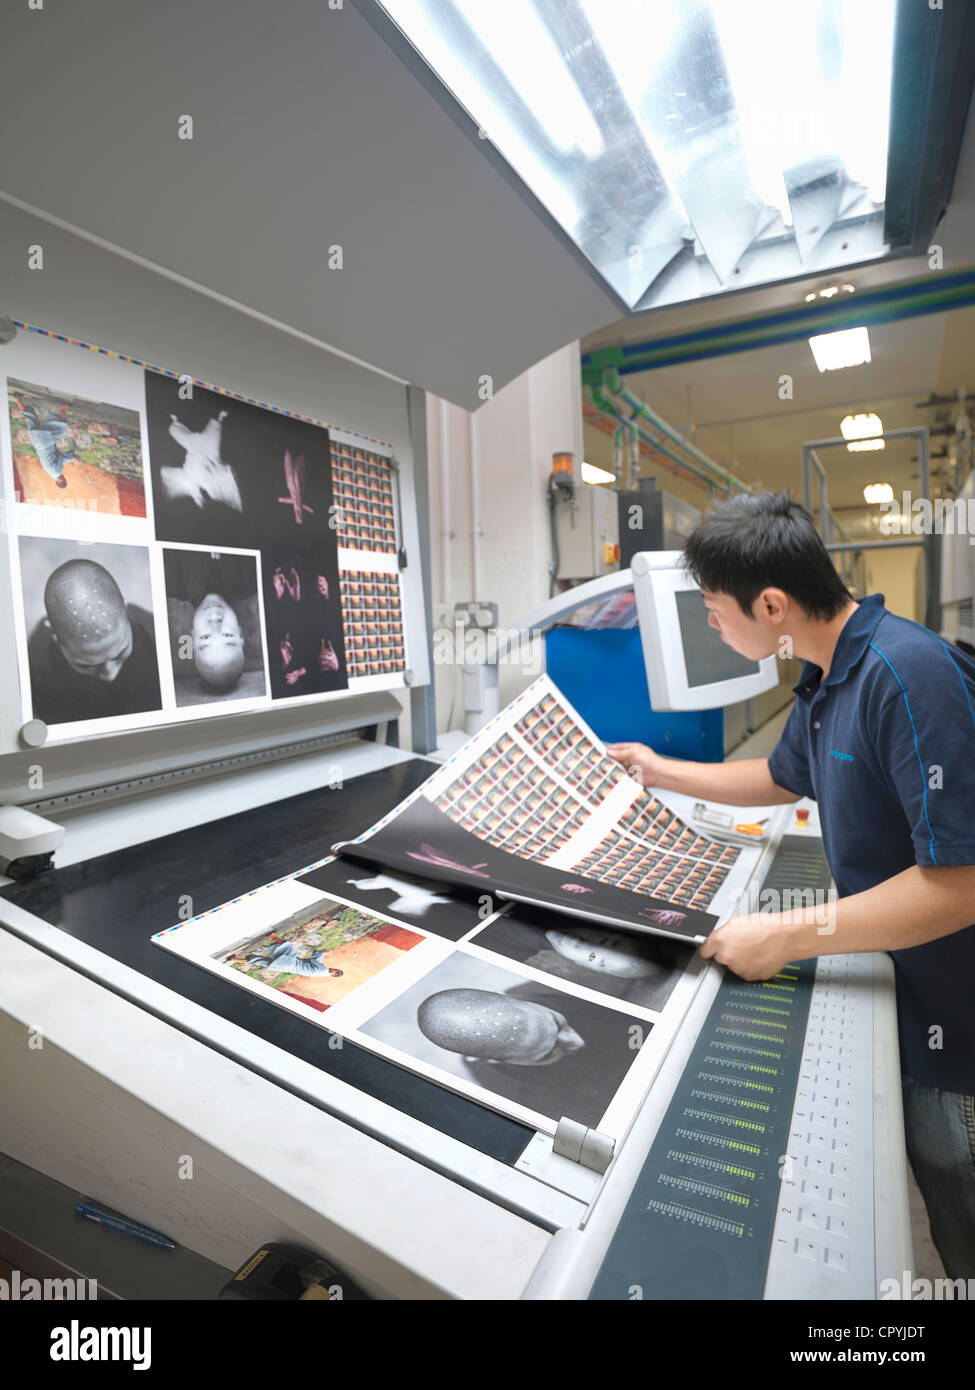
(533, 809)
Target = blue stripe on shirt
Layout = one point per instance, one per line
(924, 780)
(960, 676)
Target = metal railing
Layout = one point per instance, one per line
(851, 553)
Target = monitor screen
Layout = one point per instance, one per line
(706, 657)
(615, 610)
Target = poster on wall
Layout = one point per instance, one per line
(366, 515)
(229, 474)
(90, 638)
(303, 604)
(173, 558)
(225, 473)
(216, 633)
(67, 449)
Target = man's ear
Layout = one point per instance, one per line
(46, 623)
(774, 604)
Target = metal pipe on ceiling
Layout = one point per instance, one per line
(604, 407)
(698, 466)
(613, 384)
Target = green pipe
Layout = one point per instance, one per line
(606, 408)
(613, 384)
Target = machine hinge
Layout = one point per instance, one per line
(590, 1147)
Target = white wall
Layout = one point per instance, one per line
(515, 435)
(894, 573)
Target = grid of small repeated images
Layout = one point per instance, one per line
(514, 804)
(372, 621)
(687, 869)
(363, 492)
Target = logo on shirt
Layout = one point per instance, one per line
(845, 757)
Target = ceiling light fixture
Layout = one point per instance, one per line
(878, 492)
(862, 430)
(750, 138)
(848, 348)
(829, 292)
(592, 474)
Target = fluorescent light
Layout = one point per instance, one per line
(525, 51)
(848, 348)
(749, 137)
(862, 93)
(861, 426)
(878, 492)
(592, 474)
(811, 84)
(498, 125)
(862, 429)
(829, 292)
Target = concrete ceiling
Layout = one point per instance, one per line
(308, 132)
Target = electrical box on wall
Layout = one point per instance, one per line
(653, 520)
(587, 529)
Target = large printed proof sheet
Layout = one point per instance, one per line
(533, 809)
(174, 553)
(533, 1013)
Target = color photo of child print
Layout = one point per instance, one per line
(321, 954)
(70, 451)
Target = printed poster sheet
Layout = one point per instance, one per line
(533, 1012)
(533, 809)
(175, 553)
(531, 1015)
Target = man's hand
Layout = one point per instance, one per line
(755, 947)
(639, 762)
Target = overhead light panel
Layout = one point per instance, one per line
(829, 292)
(684, 149)
(529, 54)
(592, 474)
(862, 430)
(848, 348)
(878, 492)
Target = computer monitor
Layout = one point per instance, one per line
(689, 667)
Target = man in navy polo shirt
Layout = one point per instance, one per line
(882, 735)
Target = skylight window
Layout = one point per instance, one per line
(685, 149)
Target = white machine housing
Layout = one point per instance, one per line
(23, 833)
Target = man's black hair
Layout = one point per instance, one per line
(761, 540)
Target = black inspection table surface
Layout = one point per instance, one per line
(117, 901)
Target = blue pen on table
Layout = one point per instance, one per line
(127, 1228)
